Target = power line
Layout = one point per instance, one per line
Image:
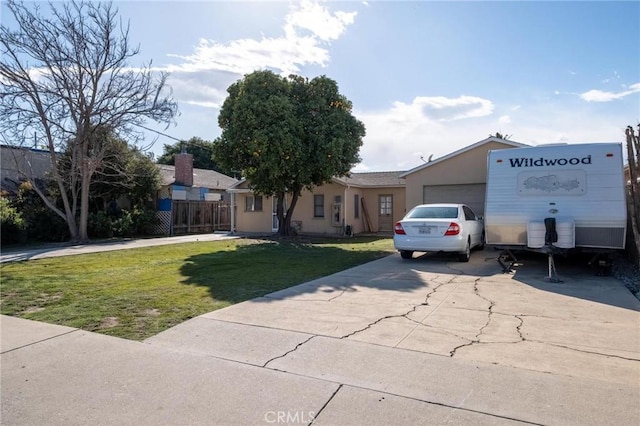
(160, 133)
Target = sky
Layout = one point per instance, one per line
(425, 77)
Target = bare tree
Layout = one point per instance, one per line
(66, 75)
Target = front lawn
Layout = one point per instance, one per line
(137, 293)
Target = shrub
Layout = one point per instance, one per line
(144, 221)
(12, 225)
(42, 223)
(127, 223)
(100, 225)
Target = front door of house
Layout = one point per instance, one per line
(385, 213)
(275, 224)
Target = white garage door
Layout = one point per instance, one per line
(470, 194)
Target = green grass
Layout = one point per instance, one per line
(137, 293)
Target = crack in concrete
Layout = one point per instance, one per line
(442, 404)
(315, 416)
(344, 290)
(444, 330)
(519, 327)
(490, 313)
(290, 351)
(425, 303)
(586, 352)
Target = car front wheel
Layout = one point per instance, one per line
(483, 241)
(466, 254)
(406, 254)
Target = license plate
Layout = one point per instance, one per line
(424, 230)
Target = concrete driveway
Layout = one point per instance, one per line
(427, 341)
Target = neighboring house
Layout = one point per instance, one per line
(189, 201)
(19, 163)
(459, 177)
(362, 202)
(192, 200)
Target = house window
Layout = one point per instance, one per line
(386, 205)
(253, 203)
(356, 206)
(318, 205)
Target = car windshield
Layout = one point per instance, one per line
(429, 212)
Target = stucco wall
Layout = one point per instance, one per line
(464, 168)
(247, 221)
(371, 196)
(253, 221)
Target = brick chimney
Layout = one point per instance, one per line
(184, 169)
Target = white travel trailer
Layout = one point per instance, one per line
(579, 189)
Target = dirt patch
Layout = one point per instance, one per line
(110, 322)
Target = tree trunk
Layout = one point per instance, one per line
(83, 236)
(284, 218)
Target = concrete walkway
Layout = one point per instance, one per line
(428, 341)
(65, 249)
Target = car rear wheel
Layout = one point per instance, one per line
(406, 254)
(466, 254)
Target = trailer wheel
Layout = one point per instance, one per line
(466, 254)
(406, 254)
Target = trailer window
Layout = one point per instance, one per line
(433, 213)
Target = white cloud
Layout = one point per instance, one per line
(285, 53)
(398, 137)
(202, 77)
(602, 96)
(313, 17)
(441, 108)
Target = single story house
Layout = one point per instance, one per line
(361, 202)
(19, 163)
(192, 200)
(458, 177)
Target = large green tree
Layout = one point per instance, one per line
(62, 76)
(201, 150)
(286, 135)
(125, 171)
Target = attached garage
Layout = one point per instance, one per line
(469, 194)
(459, 177)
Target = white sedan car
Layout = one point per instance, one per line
(439, 228)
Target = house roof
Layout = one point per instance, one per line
(201, 178)
(360, 180)
(462, 151)
(372, 179)
(18, 163)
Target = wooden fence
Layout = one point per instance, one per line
(199, 217)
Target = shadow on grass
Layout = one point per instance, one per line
(255, 270)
